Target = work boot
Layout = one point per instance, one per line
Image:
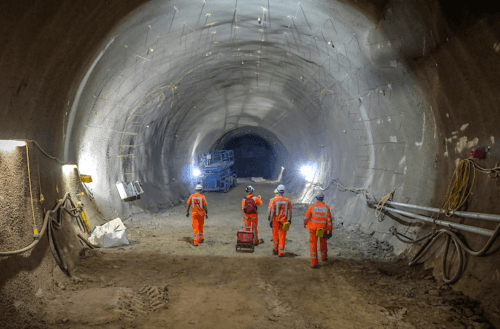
(324, 259)
(202, 240)
(261, 241)
(275, 252)
(314, 266)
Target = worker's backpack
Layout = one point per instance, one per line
(250, 207)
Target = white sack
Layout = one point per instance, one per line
(111, 234)
(115, 239)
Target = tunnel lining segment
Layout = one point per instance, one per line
(311, 94)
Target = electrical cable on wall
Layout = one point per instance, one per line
(43, 151)
(50, 224)
(458, 192)
(36, 235)
(381, 204)
(462, 184)
(460, 246)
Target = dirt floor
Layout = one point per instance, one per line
(160, 280)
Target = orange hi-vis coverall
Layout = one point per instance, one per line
(252, 220)
(279, 214)
(271, 202)
(197, 202)
(318, 215)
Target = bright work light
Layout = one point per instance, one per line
(8, 145)
(196, 172)
(309, 172)
(68, 168)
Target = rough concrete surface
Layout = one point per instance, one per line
(25, 276)
(21, 276)
(383, 95)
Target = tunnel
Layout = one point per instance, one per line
(254, 156)
(371, 102)
(257, 152)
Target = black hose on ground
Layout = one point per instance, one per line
(460, 246)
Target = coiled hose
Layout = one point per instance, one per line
(53, 221)
(460, 246)
(458, 192)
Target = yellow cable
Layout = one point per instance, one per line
(380, 206)
(460, 187)
(29, 178)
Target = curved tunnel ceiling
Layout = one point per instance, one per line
(322, 78)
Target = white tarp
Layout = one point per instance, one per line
(111, 234)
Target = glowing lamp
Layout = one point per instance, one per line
(68, 168)
(8, 145)
(196, 172)
(309, 172)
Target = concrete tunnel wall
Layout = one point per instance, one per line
(325, 80)
(377, 93)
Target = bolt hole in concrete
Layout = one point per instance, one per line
(307, 93)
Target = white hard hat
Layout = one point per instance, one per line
(198, 187)
(281, 188)
(249, 188)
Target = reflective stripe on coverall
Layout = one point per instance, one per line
(279, 212)
(197, 202)
(269, 207)
(318, 215)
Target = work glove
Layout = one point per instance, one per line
(290, 221)
(206, 216)
(328, 235)
(187, 215)
(270, 224)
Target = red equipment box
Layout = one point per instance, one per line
(244, 241)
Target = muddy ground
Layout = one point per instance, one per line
(160, 280)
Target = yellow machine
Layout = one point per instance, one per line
(320, 232)
(286, 226)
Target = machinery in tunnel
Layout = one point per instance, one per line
(258, 152)
(365, 100)
(215, 171)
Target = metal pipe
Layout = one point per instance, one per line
(457, 226)
(475, 215)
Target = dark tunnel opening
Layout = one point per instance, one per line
(364, 101)
(253, 156)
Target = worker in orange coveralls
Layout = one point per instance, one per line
(276, 194)
(271, 204)
(249, 206)
(200, 212)
(280, 214)
(318, 216)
